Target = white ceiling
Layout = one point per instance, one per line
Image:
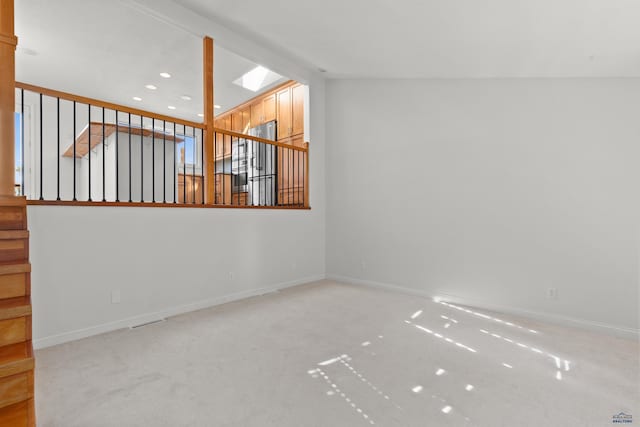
(445, 38)
(110, 51)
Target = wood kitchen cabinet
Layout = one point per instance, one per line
(269, 108)
(263, 110)
(222, 188)
(236, 121)
(222, 145)
(283, 106)
(193, 191)
(297, 110)
(223, 122)
(257, 113)
(290, 111)
(241, 120)
(241, 199)
(246, 119)
(292, 171)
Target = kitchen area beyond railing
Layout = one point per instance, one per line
(76, 150)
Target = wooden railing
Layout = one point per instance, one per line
(83, 151)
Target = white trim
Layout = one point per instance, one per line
(168, 312)
(620, 331)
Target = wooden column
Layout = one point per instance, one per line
(8, 43)
(207, 73)
(306, 175)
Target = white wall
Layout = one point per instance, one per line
(490, 191)
(162, 260)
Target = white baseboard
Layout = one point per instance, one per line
(620, 331)
(162, 314)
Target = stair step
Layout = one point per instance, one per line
(13, 218)
(15, 307)
(15, 330)
(15, 280)
(13, 201)
(16, 358)
(16, 388)
(21, 414)
(13, 267)
(14, 245)
(14, 234)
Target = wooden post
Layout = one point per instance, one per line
(209, 166)
(306, 175)
(8, 43)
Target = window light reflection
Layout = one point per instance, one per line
(485, 316)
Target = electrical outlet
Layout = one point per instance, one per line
(552, 293)
(115, 297)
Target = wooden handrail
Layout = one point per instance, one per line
(258, 139)
(107, 105)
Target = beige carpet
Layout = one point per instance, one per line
(329, 354)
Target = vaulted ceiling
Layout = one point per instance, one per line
(446, 38)
(111, 49)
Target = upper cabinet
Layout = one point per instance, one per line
(285, 104)
(223, 122)
(290, 111)
(246, 119)
(269, 106)
(222, 143)
(263, 110)
(297, 110)
(257, 112)
(241, 120)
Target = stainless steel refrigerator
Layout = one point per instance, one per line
(261, 171)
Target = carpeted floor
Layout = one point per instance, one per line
(329, 354)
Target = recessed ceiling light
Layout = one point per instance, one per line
(165, 75)
(137, 98)
(217, 106)
(151, 87)
(200, 115)
(186, 97)
(171, 107)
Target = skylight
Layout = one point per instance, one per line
(257, 78)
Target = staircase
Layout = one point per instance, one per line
(16, 351)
